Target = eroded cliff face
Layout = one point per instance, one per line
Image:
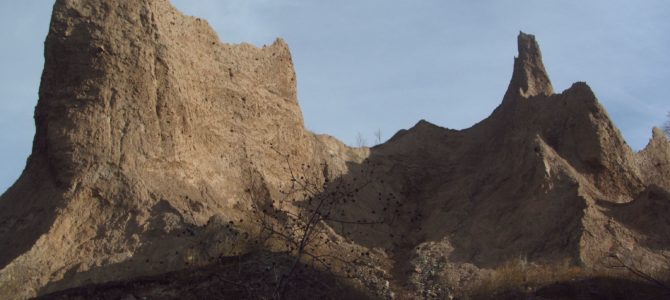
(155, 140)
(147, 125)
(547, 178)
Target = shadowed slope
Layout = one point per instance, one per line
(155, 140)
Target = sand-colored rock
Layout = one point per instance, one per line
(654, 160)
(154, 139)
(529, 78)
(147, 125)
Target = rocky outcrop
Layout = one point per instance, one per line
(654, 160)
(147, 127)
(529, 77)
(156, 144)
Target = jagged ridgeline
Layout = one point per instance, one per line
(169, 164)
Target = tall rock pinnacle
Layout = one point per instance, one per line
(143, 113)
(529, 78)
(169, 164)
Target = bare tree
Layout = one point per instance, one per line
(360, 140)
(666, 126)
(378, 136)
(299, 220)
(620, 262)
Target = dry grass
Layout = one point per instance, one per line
(519, 279)
(521, 276)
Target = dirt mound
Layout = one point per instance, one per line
(157, 145)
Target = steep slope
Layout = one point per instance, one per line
(546, 179)
(654, 160)
(157, 145)
(147, 126)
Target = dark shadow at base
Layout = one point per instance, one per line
(590, 288)
(251, 276)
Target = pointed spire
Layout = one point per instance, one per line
(529, 77)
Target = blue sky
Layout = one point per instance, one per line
(365, 65)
